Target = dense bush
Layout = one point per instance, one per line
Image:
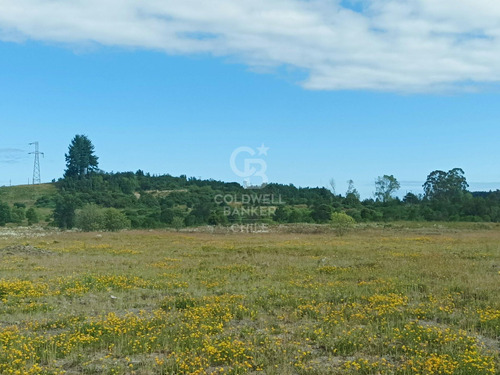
(90, 218)
(342, 222)
(115, 220)
(4, 214)
(93, 218)
(32, 216)
(18, 213)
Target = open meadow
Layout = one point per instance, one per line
(375, 301)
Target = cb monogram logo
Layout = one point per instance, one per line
(254, 168)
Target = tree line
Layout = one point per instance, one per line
(92, 199)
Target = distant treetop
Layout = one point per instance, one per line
(80, 159)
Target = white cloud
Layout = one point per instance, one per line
(388, 45)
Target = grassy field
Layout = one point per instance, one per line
(376, 301)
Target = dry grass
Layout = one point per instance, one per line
(422, 300)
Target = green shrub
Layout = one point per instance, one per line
(64, 212)
(32, 216)
(342, 222)
(178, 223)
(90, 218)
(17, 214)
(93, 218)
(4, 213)
(115, 220)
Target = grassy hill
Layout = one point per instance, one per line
(28, 194)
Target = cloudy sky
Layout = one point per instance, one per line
(335, 89)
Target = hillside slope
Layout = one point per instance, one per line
(27, 194)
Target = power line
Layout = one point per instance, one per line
(36, 168)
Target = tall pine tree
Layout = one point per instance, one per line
(80, 159)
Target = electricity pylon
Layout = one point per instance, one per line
(36, 168)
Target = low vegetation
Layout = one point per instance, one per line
(421, 300)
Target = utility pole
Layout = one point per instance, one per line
(36, 168)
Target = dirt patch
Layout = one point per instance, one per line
(25, 250)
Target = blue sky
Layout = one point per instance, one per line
(182, 105)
